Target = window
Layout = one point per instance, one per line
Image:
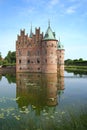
(38, 68)
(38, 61)
(19, 61)
(28, 61)
(45, 60)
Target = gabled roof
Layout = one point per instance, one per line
(49, 35)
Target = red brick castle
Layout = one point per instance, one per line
(38, 52)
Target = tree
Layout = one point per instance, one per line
(11, 57)
(0, 59)
(0, 56)
(80, 59)
(68, 62)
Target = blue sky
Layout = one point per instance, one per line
(68, 19)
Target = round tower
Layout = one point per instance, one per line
(60, 58)
(49, 52)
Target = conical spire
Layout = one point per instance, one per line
(31, 31)
(48, 23)
(59, 42)
(49, 35)
(60, 46)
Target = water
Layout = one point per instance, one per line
(42, 101)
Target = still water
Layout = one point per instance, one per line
(41, 101)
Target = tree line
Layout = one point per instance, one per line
(77, 62)
(9, 60)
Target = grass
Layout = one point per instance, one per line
(71, 122)
(75, 123)
(76, 69)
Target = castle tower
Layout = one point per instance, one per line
(49, 52)
(60, 58)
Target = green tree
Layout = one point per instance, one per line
(0, 56)
(0, 59)
(11, 57)
(80, 59)
(68, 62)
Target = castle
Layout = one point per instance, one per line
(38, 52)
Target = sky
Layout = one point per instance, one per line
(68, 19)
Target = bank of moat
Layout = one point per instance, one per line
(39, 53)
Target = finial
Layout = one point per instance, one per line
(59, 39)
(48, 23)
(31, 26)
(31, 30)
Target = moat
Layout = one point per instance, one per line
(43, 101)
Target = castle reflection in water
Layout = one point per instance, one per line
(39, 90)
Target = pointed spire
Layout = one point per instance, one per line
(49, 23)
(49, 35)
(60, 46)
(31, 31)
(59, 39)
(59, 43)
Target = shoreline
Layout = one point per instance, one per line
(9, 69)
(76, 69)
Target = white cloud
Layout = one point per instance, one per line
(53, 3)
(72, 7)
(71, 10)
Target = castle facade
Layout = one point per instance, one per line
(38, 52)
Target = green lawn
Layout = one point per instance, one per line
(76, 69)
